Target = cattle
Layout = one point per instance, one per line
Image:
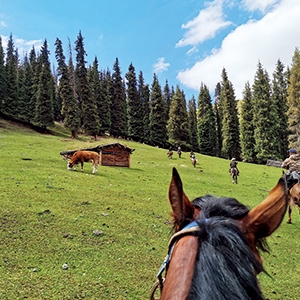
(82, 157)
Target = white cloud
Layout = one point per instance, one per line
(160, 66)
(23, 46)
(204, 26)
(261, 5)
(2, 24)
(273, 37)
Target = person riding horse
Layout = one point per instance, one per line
(292, 164)
(233, 165)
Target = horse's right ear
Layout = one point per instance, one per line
(181, 205)
(266, 217)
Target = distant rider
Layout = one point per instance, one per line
(292, 164)
(233, 164)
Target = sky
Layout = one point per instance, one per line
(186, 42)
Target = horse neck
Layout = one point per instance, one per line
(179, 278)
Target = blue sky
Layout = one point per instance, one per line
(187, 42)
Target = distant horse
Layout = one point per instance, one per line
(194, 161)
(170, 154)
(214, 253)
(294, 196)
(84, 156)
(234, 175)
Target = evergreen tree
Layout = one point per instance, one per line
(293, 101)
(178, 125)
(33, 74)
(104, 106)
(167, 97)
(192, 117)
(231, 146)
(206, 123)
(135, 107)
(158, 130)
(218, 115)
(90, 119)
(3, 84)
(44, 97)
(144, 94)
(279, 98)
(118, 104)
(247, 127)
(264, 117)
(10, 105)
(70, 111)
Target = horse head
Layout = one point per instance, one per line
(215, 248)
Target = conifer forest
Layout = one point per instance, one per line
(262, 125)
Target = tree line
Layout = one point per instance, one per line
(84, 99)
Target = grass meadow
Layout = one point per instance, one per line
(48, 215)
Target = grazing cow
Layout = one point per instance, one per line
(84, 156)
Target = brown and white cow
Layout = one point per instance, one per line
(84, 156)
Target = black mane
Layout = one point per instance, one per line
(225, 266)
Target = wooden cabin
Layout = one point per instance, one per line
(114, 154)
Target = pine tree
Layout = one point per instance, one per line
(135, 107)
(105, 100)
(167, 97)
(192, 117)
(264, 117)
(279, 98)
(10, 105)
(158, 130)
(218, 114)
(247, 127)
(206, 123)
(70, 111)
(178, 125)
(293, 101)
(144, 94)
(3, 84)
(90, 119)
(44, 98)
(118, 104)
(230, 122)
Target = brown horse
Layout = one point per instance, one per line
(294, 196)
(214, 253)
(234, 175)
(84, 156)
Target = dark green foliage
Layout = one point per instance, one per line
(206, 123)
(230, 122)
(264, 117)
(192, 119)
(158, 130)
(10, 104)
(90, 119)
(44, 97)
(144, 94)
(178, 123)
(279, 98)
(293, 101)
(167, 97)
(247, 127)
(217, 111)
(3, 85)
(118, 104)
(135, 107)
(70, 111)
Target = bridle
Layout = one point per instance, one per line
(190, 229)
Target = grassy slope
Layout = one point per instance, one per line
(48, 214)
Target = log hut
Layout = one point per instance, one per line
(114, 154)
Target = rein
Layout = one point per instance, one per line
(189, 229)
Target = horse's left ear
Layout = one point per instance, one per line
(266, 217)
(181, 205)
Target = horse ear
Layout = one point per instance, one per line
(266, 217)
(180, 203)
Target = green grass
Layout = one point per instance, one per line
(48, 215)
